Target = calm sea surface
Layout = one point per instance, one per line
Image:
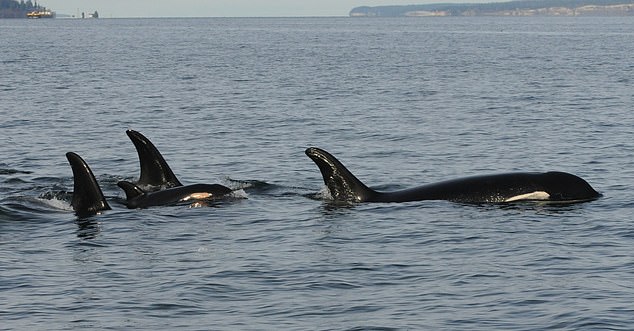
(401, 102)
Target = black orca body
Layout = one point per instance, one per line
(137, 198)
(549, 186)
(88, 199)
(157, 184)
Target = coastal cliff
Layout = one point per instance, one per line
(511, 8)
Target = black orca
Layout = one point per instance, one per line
(138, 198)
(157, 184)
(549, 186)
(88, 198)
(155, 173)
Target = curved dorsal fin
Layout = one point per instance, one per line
(154, 169)
(88, 198)
(341, 183)
(131, 191)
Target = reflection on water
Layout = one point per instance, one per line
(87, 228)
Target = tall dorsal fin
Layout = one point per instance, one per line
(154, 169)
(88, 198)
(341, 183)
(131, 191)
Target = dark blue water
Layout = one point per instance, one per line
(401, 102)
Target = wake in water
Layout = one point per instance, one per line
(47, 203)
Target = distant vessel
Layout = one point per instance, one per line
(41, 14)
(90, 15)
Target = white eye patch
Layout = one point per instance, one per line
(537, 195)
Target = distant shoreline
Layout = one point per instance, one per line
(511, 8)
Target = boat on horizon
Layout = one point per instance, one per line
(41, 14)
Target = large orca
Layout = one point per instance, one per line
(88, 199)
(157, 184)
(155, 173)
(510, 187)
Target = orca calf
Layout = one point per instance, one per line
(87, 198)
(157, 184)
(137, 198)
(500, 188)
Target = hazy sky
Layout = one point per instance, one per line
(216, 8)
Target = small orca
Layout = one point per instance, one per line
(155, 173)
(88, 198)
(157, 184)
(549, 186)
(137, 198)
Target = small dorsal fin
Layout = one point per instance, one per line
(131, 190)
(155, 171)
(341, 183)
(88, 199)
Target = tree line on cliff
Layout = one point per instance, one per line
(18, 9)
(459, 8)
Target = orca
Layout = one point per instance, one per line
(498, 188)
(138, 198)
(88, 199)
(157, 184)
(155, 172)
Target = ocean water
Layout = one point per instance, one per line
(401, 102)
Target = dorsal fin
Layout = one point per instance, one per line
(154, 169)
(341, 183)
(88, 198)
(131, 191)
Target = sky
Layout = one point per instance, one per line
(216, 8)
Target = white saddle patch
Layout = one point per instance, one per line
(537, 195)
